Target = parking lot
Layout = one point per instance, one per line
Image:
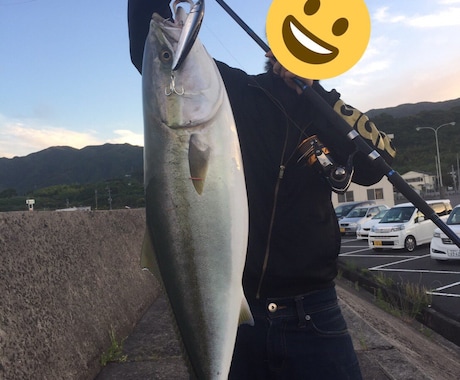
(441, 279)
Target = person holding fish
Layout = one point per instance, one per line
(288, 148)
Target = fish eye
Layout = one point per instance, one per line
(165, 56)
(340, 27)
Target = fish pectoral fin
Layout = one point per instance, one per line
(198, 159)
(246, 317)
(148, 258)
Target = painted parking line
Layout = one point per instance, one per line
(415, 271)
(358, 251)
(385, 267)
(443, 294)
(360, 248)
(437, 292)
(353, 252)
(374, 256)
(412, 258)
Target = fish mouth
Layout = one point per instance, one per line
(304, 45)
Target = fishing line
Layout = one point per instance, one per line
(221, 44)
(342, 127)
(275, 101)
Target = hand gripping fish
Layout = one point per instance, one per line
(196, 205)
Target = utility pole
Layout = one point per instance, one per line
(458, 174)
(454, 178)
(435, 130)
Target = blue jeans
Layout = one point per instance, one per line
(305, 337)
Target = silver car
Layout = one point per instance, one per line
(362, 231)
(359, 215)
(343, 209)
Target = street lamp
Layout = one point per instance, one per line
(437, 146)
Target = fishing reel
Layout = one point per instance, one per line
(313, 153)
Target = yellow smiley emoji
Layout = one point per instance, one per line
(318, 39)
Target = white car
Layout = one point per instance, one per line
(441, 247)
(362, 231)
(405, 227)
(359, 215)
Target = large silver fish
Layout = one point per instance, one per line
(197, 216)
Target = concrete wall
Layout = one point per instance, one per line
(65, 280)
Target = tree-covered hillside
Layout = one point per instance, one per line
(416, 150)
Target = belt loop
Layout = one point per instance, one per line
(300, 312)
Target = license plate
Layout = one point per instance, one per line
(377, 242)
(453, 253)
(342, 230)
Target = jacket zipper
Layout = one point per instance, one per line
(282, 168)
(270, 229)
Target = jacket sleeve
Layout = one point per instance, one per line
(364, 174)
(139, 15)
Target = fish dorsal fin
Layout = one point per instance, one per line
(246, 317)
(198, 158)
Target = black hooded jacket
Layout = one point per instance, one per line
(294, 238)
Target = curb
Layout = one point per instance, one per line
(442, 324)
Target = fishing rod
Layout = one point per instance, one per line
(346, 130)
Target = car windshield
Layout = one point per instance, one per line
(380, 214)
(343, 210)
(398, 215)
(357, 213)
(454, 217)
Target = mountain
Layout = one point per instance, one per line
(66, 165)
(409, 109)
(415, 137)
(415, 151)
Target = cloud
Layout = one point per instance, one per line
(445, 14)
(394, 87)
(382, 15)
(378, 56)
(375, 63)
(448, 2)
(22, 137)
(127, 136)
(443, 18)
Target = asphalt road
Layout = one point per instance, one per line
(442, 280)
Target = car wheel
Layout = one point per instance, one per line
(410, 243)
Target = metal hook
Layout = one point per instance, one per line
(172, 87)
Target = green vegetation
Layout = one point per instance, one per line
(80, 174)
(125, 192)
(416, 149)
(115, 352)
(406, 301)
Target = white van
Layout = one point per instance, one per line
(405, 227)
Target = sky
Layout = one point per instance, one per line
(66, 77)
